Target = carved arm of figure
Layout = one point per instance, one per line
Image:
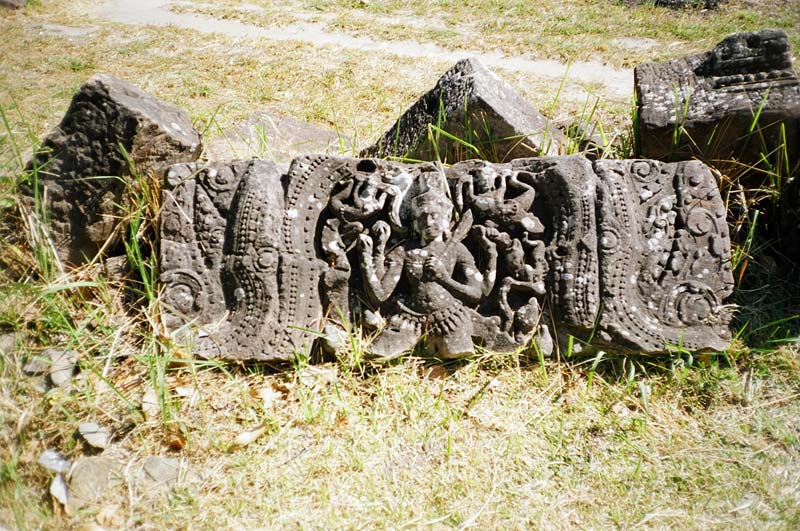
(527, 194)
(487, 238)
(380, 281)
(368, 198)
(382, 232)
(469, 291)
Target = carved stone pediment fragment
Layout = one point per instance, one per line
(470, 103)
(710, 104)
(632, 253)
(82, 168)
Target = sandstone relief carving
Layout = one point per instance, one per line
(632, 253)
(713, 99)
(81, 168)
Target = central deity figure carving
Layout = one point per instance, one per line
(440, 275)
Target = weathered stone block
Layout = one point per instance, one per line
(736, 102)
(81, 169)
(664, 256)
(473, 104)
(635, 253)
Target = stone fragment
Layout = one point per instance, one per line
(335, 339)
(162, 470)
(7, 343)
(274, 137)
(81, 171)
(635, 253)
(736, 102)
(664, 253)
(223, 227)
(37, 365)
(62, 366)
(55, 462)
(91, 478)
(151, 406)
(13, 4)
(59, 490)
(97, 436)
(243, 439)
(473, 104)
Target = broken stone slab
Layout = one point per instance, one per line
(473, 104)
(279, 138)
(63, 364)
(635, 253)
(706, 105)
(90, 478)
(162, 470)
(83, 174)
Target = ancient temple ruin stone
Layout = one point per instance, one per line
(633, 253)
(473, 104)
(82, 171)
(664, 256)
(705, 105)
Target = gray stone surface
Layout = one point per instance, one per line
(81, 170)
(162, 470)
(62, 366)
(635, 253)
(90, 478)
(473, 104)
(14, 4)
(715, 96)
(279, 138)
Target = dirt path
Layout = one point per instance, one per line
(610, 82)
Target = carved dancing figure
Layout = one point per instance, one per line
(487, 193)
(439, 276)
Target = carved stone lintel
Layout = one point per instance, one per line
(634, 253)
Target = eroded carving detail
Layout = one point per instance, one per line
(664, 254)
(494, 254)
(715, 98)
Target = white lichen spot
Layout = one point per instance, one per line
(291, 213)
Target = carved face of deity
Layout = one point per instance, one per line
(430, 214)
(485, 180)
